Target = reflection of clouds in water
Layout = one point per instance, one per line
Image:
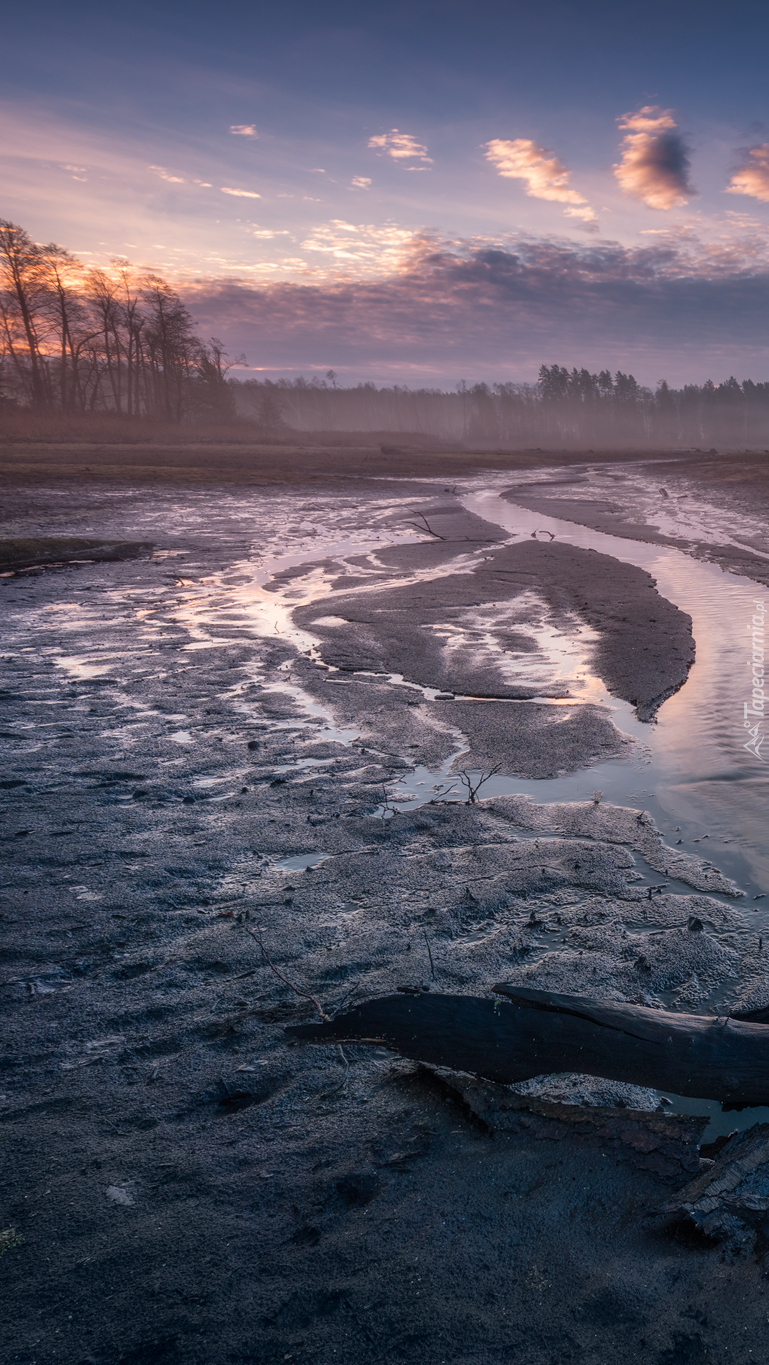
(527, 644)
(677, 512)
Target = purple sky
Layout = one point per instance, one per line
(444, 190)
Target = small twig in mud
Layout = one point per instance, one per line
(386, 802)
(425, 527)
(474, 787)
(655, 890)
(346, 1061)
(343, 1082)
(257, 936)
(429, 953)
(346, 997)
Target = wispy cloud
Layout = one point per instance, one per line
(752, 177)
(243, 129)
(400, 146)
(361, 182)
(164, 175)
(544, 175)
(363, 250)
(241, 194)
(655, 159)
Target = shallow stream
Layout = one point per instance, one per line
(689, 769)
(698, 780)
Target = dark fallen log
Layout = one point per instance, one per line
(667, 1144)
(37, 551)
(532, 1033)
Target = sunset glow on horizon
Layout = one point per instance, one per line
(487, 188)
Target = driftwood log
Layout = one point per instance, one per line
(529, 1033)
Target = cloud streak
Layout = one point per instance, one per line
(241, 194)
(243, 129)
(164, 175)
(544, 175)
(752, 177)
(655, 159)
(400, 146)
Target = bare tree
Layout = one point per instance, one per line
(69, 319)
(24, 298)
(171, 345)
(104, 292)
(129, 298)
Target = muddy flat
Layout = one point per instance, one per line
(332, 741)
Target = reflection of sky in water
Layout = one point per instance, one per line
(686, 515)
(699, 778)
(703, 779)
(553, 651)
(689, 770)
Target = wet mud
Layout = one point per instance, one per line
(194, 783)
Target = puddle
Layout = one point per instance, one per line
(300, 861)
(720, 1122)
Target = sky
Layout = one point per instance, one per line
(414, 192)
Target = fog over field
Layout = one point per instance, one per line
(87, 340)
(563, 410)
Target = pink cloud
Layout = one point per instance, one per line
(499, 310)
(164, 175)
(752, 177)
(655, 159)
(400, 146)
(544, 175)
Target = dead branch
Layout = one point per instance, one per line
(429, 953)
(387, 804)
(425, 527)
(474, 787)
(305, 995)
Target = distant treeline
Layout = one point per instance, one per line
(78, 340)
(566, 408)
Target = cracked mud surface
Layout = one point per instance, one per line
(185, 1185)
